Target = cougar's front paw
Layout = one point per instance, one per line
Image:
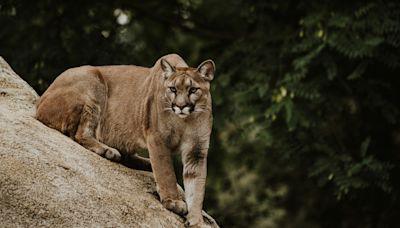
(177, 206)
(195, 222)
(112, 154)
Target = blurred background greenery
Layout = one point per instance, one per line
(306, 95)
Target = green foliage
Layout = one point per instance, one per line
(316, 99)
(306, 115)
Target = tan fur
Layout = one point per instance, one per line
(114, 110)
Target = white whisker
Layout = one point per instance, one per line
(200, 110)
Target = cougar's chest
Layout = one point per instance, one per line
(173, 138)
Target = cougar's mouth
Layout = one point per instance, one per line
(182, 115)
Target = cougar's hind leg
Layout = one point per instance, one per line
(85, 134)
(90, 119)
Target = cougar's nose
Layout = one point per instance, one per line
(181, 106)
(180, 102)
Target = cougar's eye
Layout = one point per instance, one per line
(193, 90)
(173, 89)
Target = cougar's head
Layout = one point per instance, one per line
(187, 90)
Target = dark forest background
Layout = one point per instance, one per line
(306, 95)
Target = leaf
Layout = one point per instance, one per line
(374, 41)
(365, 145)
(262, 90)
(331, 69)
(289, 112)
(305, 60)
(358, 72)
(339, 21)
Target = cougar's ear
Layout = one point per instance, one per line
(167, 69)
(206, 70)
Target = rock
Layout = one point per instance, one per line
(48, 180)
